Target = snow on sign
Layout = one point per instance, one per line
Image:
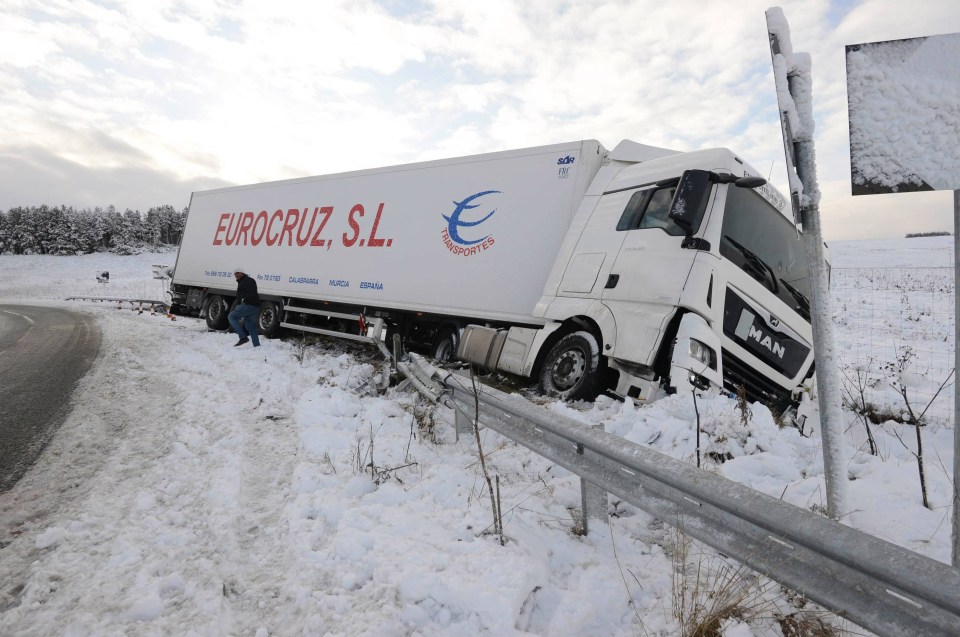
(904, 104)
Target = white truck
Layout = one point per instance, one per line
(635, 271)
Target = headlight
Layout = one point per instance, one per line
(703, 353)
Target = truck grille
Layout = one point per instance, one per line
(758, 387)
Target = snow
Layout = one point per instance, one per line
(904, 101)
(897, 305)
(197, 489)
(793, 78)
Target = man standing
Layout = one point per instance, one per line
(243, 317)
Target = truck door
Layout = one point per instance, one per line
(648, 274)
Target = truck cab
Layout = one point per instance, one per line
(687, 271)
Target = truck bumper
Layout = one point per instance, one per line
(696, 362)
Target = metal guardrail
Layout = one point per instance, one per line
(113, 299)
(878, 585)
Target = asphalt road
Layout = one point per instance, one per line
(44, 351)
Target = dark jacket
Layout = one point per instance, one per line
(247, 291)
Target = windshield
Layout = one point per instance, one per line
(764, 244)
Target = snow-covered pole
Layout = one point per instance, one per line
(792, 73)
(956, 385)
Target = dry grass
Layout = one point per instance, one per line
(709, 589)
(806, 625)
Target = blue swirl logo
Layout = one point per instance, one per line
(455, 221)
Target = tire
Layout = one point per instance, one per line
(444, 348)
(217, 311)
(268, 321)
(571, 368)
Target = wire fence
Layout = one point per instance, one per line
(895, 336)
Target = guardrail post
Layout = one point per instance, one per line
(463, 422)
(593, 499)
(397, 351)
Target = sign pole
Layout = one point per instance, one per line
(794, 95)
(956, 385)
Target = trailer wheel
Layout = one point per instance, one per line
(571, 367)
(268, 321)
(217, 313)
(445, 344)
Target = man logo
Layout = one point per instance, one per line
(765, 340)
(747, 330)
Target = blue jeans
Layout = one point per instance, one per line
(243, 320)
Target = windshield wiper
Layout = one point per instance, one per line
(803, 303)
(759, 265)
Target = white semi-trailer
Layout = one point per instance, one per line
(634, 270)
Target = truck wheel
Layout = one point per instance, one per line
(445, 345)
(571, 366)
(217, 313)
(268, 321)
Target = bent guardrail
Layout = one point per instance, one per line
(878, 585)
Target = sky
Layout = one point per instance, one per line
(138, 104)
(196, 488)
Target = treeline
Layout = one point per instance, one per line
(66, 230)
(927, 234)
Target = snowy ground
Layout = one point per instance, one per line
(201, 489)
(894, 311)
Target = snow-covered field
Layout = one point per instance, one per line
(202, 489)
(894, 312)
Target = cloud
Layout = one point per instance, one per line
(34, 176)
(212, 92)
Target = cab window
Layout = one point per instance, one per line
(650, 209)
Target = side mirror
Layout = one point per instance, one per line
(739, 182)
(690, 201)
(750, 182)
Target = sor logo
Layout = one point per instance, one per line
(565, 161)
(456, 221)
